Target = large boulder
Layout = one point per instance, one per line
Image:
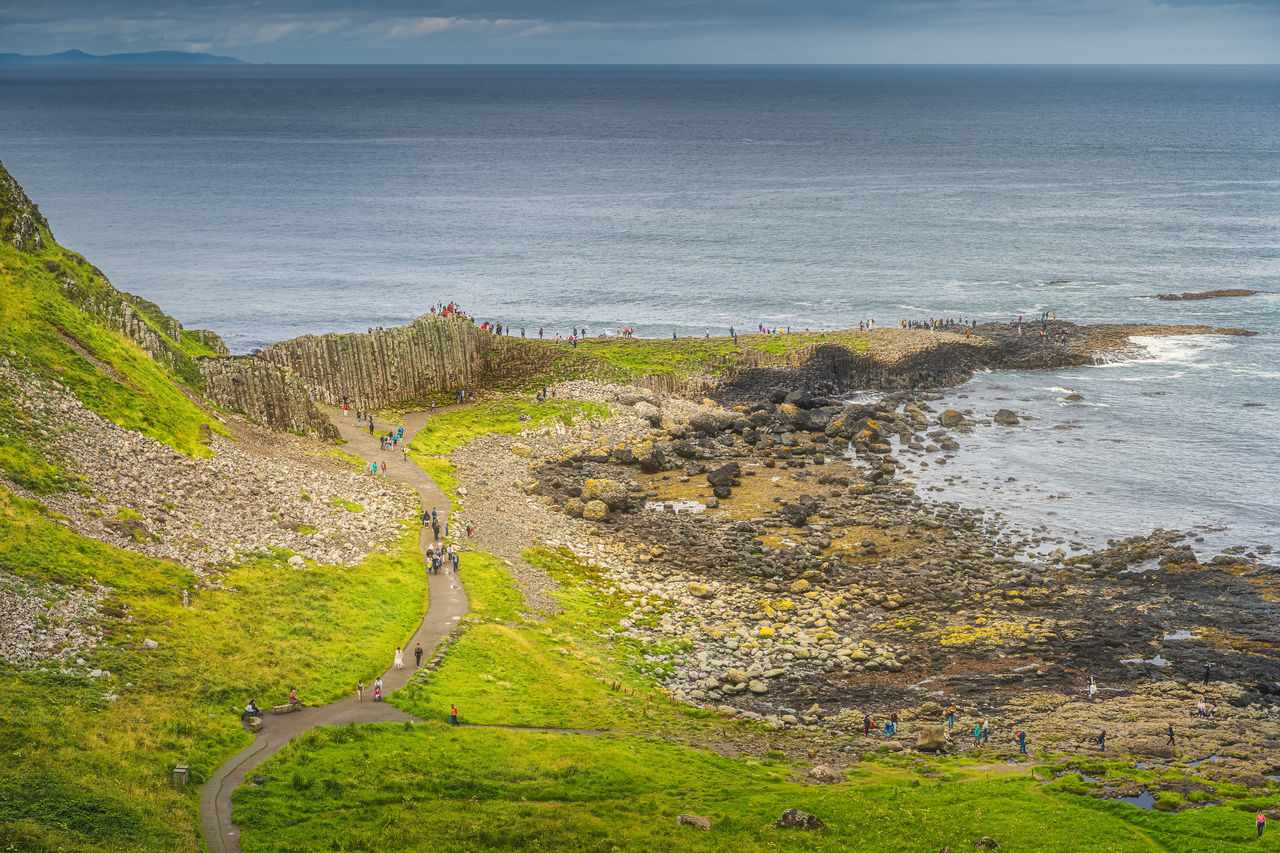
(1006, 417)
(824, 774)
(725, 475)
(951, 418)
(653, 461)
(931, 738)
(610, 492)
(694, 820)
(796, 819)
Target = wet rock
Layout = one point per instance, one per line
(1006, 417)
(951, 419)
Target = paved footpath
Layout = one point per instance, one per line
(447, 604)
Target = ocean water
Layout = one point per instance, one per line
(268, 202)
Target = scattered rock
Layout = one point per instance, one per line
(703, 823)
(796, 819)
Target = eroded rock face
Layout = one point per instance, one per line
(20, 219)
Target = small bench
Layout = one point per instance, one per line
(284, 709)
(254, 724)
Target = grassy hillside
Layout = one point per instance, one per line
(57, 314)
(88, 758)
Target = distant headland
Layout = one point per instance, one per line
(153, 57)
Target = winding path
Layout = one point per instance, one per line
(447, 603)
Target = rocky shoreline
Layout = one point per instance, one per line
(776, 545)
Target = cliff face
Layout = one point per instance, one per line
(264, 394)
(20, 220)
(406, 363)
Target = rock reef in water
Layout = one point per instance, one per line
(1206, 294)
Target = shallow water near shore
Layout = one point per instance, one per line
(1167, 440)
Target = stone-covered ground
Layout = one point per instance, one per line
(782, 569)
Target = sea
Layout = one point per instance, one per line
(266, 202)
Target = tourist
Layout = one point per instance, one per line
(377, 689)
(951, 718)
(453, 715)
(986, 733)
(251, 710)
(399, 663)
(359, 691)
(470, 530)
(1169, 732)
(1102, 740)
(1207, 666)
(417, 656)
(977, 734)
(1022, 743)
(867, 725)
(1093, 688)
(1213, 710)
(1200, 708)
(1261, 822)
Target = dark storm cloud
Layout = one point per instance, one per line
(661, 30)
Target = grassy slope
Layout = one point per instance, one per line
(89, 774)
(626, 359)
(85, 772)
(53, 338)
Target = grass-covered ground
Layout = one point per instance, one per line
(429, 786)
(454, 427)
(400, 787)
(83, 772)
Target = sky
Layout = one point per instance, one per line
(659, 31)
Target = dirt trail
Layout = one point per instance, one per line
(447, 605)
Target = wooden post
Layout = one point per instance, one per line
(180, 775)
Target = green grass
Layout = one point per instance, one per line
(448, 430)
(627, 359)
(349, 506)
(85, 773)
(555, 672)
(413, 787)
(40, 319)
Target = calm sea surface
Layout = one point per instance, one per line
(269, 202)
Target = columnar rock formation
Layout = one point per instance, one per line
(264, 394)
(405, 363)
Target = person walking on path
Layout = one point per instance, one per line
(399, 658)
(1169, 732)
(359, 691)
(986, 733)
(951, 718)
(1261, 822)
(377, 689)
(453, 715)
(977, 734)
(1102, 741)
(417, 656)
(1022, 743)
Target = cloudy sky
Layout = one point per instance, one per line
(660, 31)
